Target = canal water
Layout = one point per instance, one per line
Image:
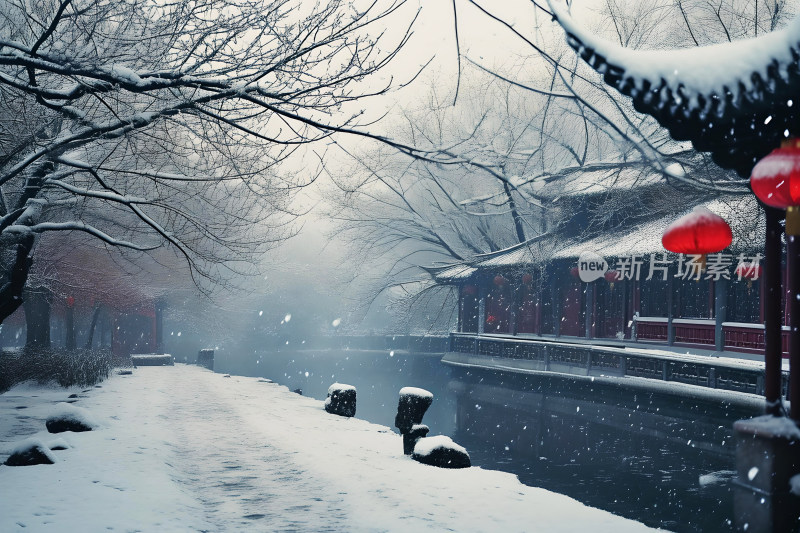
(654, 458)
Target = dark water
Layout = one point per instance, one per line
(657, 459)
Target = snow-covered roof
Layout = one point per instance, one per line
(644, 238)
(733, 99)
(456, 272)
(580, 182)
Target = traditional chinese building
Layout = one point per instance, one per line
(638, 291)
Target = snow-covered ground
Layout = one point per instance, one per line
(183, 449)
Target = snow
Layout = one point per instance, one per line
(427, 445)
(415, 391)
(716, 478)
(794, 485)
(777, 426)
(33, 442)
(183, 449)
(675, 170)
(699, 216)
(706, 70)
(67, 411)
(339, 387)
(152, 358)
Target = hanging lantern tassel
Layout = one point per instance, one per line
(748, 271)
(703, 263)
(793, 220)
(611, 276)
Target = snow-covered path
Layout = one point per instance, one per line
(184, 449)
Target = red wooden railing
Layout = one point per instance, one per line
(738, 336)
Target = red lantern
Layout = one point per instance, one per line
(70, 301)
(700, 232)
(491, 319)
(776, 182)
(470, 290)
(499, 280)
(527, 279)
(574, 272)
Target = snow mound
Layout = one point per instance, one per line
(427, 445)
(415, 391)
(29, 452)
(59, 444)
(68, 417)
(339, 387)
(441, 451)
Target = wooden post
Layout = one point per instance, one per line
(720, 312)
(556, 305)
(670, 307)
(460, 326)
(793, 268)
(481, 308)
(772, 312)
(588, 315)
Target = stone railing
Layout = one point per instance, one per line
(587, 359)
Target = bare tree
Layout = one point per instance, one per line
(546, 131)
(147, 124)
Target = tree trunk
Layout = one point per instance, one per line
(14, 282)
(159, 305)
(90, 340)
(69, 325)
(37, 318)
(514, 214)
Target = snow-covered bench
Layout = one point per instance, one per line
(152, 359)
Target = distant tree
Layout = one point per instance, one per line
(83, 282)
(553, 71)
(147, 124)
(511, 138)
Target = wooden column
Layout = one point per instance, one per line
(556, 306)
(588, 314)
(720, 312)
(670, 307)
(773, 351)
(481, 308)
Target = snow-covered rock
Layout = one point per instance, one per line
(30, 452)
(418, 431)
(68, 417)
(441, 451)
(341, 400)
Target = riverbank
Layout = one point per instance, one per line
(184, 449)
